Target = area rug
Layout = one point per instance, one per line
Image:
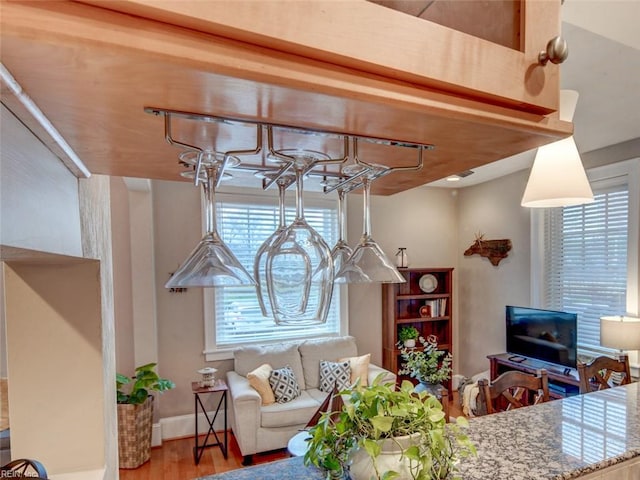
(287, 469)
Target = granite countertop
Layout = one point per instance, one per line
(558, 440)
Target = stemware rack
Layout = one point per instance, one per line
(213, 264)
(264, 148)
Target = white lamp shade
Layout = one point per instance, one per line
(557, 178)
(568, 103)
(620, 332)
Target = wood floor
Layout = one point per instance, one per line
(174, 459)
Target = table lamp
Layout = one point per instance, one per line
(621, 332)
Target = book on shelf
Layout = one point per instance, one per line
(437, 307)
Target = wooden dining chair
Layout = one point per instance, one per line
(597, 374)
(513, 389)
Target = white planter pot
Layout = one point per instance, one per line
(411, 343)
(390, 458)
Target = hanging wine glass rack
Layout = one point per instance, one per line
(265, 148)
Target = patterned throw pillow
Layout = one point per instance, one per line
(334, 373)
(284, 384)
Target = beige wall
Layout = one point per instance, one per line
(56, 398)
(492, 208)
(46, 211)
(122, 285)
(178, 228)
(424, 221)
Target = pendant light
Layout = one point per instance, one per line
(557, 178)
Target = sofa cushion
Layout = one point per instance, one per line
(284, 384)
(359, 368)
(277, 355)
(333, 348)
(296, 412)
(334, 374)
(259, 379)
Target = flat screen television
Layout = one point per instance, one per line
(542, 334)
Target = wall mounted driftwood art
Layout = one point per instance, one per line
(494, 250)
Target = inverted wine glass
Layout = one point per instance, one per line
(299, 268)
(341, 251)
(368, 263)
(260, 261)
(211, 263)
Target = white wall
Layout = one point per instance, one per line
(493, 209)
(39, 205)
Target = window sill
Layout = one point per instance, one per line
(217, 355)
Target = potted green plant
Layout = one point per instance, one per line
(384, 433)
(135, 413)
(408, 335)
(426, 364)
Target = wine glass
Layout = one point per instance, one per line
(368, 263)
(260, 261)
(341, 251)
(299, 267)
(211, 263)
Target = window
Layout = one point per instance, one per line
(232, 314)
(587, 255)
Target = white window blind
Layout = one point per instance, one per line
(585, 260)
(244, 227)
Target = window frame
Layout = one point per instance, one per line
(213, 352)
(631, 170)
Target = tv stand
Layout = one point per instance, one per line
(563, 381)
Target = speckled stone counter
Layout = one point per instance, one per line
(562, 439)
(558, 440)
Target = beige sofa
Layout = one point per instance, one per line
(260, 428)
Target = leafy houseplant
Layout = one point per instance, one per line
(377, 419)
(426, 364)
(135, 414)
(408, 336)
(145, 379)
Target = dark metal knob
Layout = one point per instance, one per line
(557, 51)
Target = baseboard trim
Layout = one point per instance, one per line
(184, 426)
(84, 475)
(156, 435)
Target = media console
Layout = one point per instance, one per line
(563, 381)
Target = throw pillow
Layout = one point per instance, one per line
(334, 374)
(259, 379)
(359, 368)
(284, 384)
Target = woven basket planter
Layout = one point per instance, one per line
(134, 433)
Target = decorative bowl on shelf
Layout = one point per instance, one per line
(428, 283)
(425, 311)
